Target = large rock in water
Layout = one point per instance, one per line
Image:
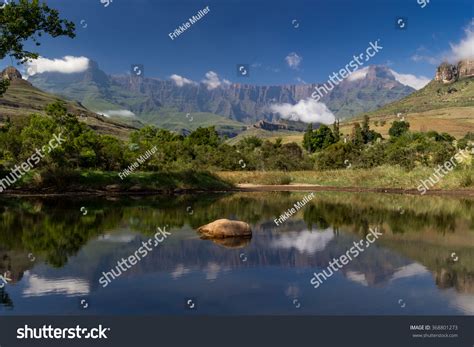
(222, 228)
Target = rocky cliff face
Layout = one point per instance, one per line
(10, 73)
(466, 68)
(250, 103)
(241, 102)
(448, 73)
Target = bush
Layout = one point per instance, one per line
(466, 179)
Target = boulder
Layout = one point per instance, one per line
(223, 228)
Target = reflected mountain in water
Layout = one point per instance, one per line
(71, 251)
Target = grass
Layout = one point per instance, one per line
(84, 181)
(286, 135)
(379, 177)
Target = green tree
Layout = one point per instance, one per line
(357, 137)
(336, 131)
(308, 135)
(369, 135)
(322, 138)
(398, 128)
(204, 136)
(28, 20)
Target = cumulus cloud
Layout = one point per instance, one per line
(413, 81)
(212, 80)
(66, 65)
(180, 80)
(464, 49)
(358, 74)
(117, 113)
(293, 60)
(307, 111)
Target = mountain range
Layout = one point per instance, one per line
(153, 100)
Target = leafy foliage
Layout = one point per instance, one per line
(28, 20)
(398, 128)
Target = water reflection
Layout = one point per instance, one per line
(40, 286)
(263, 275)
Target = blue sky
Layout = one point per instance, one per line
(259, 33)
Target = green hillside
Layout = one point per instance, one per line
(440, 107)
(434, 95)
(22, 99)
(174, 120)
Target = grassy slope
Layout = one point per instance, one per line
(434, 95)
(22, 99)
(444, 108)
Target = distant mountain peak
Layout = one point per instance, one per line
(372, 72)
(11, 73)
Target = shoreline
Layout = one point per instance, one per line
(241, 188)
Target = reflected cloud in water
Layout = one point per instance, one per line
(304, 241)
(357, 277)
(40, 286)
(410, 270)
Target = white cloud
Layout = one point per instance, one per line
(465, 48)
(40, 286)
(420, 57)
(304, 241)
(358, 74)
(423, 54)
(212, 80)
(299, 79)
(293, 60)
(413, 81)
(66, 65)
(307, 110)
(180, 80)
(117, 113)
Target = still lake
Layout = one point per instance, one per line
(54, 250)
